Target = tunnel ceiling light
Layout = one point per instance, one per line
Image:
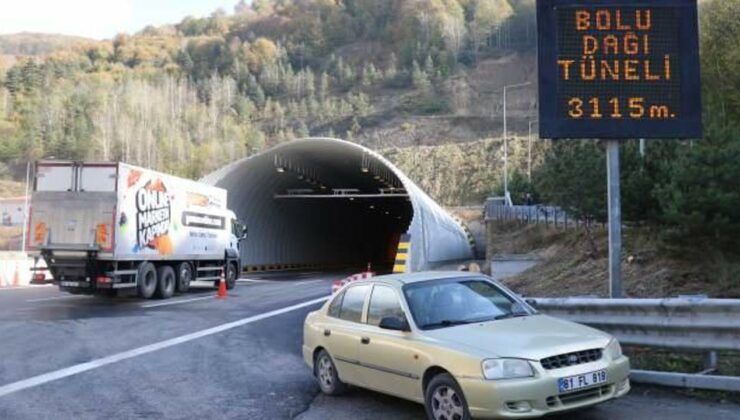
(387, 213)
(371, 206)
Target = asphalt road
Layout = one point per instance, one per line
(77, 357)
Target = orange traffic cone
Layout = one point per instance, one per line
(16, 277)
(222, 293)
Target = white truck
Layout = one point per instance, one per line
(107, 228)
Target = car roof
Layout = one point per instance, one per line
(406, 278)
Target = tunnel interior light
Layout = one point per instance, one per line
(280, 169)
(372, 206)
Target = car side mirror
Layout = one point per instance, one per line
(394, 323)
(244, 233)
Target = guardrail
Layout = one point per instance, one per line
(686, 323)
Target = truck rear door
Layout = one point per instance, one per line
(73, 207)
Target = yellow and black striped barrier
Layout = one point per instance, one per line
(402, 255)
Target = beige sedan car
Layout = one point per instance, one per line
(461, 344)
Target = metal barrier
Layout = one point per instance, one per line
(687, 323)
(537, 214)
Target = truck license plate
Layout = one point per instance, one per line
(70, 284)
(584, 380)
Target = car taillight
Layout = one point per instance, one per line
(104, 280)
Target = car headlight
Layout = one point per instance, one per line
(613, 349)
(506, 369)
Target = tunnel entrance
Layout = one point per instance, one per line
(326, 206)
(329, 203)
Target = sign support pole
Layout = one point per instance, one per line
(615, 219)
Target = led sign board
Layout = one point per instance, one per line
(618, 69)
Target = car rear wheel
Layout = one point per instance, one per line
(444, 399)
(326, 374)
(146, 280)
(165, 282)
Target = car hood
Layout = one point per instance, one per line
(532, 337)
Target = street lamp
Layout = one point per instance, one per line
(529, 151)
(506, 143)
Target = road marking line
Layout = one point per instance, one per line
(40, 286)
(175, 302)
(279, 281)
(114, 358)
(54, 298)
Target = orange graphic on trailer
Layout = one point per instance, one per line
(153, 217)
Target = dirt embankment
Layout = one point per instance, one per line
(571, 265)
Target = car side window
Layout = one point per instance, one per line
(383, 303)
(336, 305)
(353, 302)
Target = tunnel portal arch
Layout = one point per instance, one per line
(330, 202)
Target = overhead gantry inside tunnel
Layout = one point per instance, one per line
(331, 203)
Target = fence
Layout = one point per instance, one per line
(547, 215)
(696, 324)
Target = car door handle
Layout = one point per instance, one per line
(365, 340)
(327, 333)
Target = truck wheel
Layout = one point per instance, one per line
(231, 275)
(184, 277)
(165, 282)
(146, 280)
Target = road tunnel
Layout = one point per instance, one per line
(331, 203)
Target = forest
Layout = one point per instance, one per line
(189, 97)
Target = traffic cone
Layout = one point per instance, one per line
(16, 277)
(222, 293)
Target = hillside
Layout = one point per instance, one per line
(191, 96)
(569, 267)
(37, 44)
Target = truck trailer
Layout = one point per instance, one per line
(109, 228)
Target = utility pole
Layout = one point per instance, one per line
(25, 208)
(506, 143)
(529, 151)
(615, 219)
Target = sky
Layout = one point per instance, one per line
(100, 19)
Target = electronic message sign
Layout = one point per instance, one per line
(618, 69)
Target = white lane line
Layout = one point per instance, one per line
(55, 298)
(40, 286)
(175, 302)
(288, 282)
(114, 358)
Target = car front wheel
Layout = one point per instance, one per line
(444, 399)
(326, 373)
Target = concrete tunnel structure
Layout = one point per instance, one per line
(332, 203)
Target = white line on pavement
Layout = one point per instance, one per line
(175, 302)
(114, 358)
(288, 282)
(40, 286)
(55, 298)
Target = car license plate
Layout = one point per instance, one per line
(584, 380)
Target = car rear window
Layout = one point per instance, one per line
(336, 306)
(352, 303)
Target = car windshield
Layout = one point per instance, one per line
(445, 303)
